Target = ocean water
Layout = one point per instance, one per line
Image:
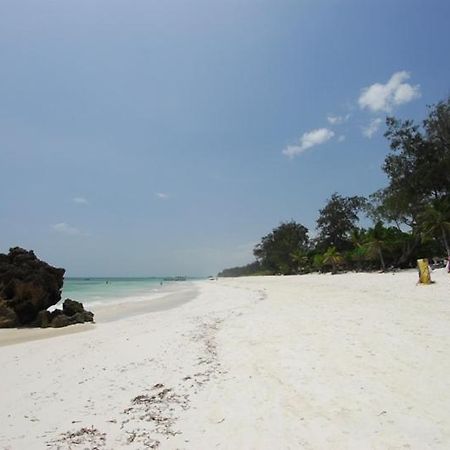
(101, 291)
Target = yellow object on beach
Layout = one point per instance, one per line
(424, 271)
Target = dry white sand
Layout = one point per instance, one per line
(354, 361)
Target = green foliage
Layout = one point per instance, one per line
(333, 258)
(357, 257)
(411, 214)
(380, 246)
(318, 263)
(418, 167)
(337, 220)
(435, 222)
(280, 250)
(375, 242)
(300, 259)
(253, 268)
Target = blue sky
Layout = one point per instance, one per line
(167, 137)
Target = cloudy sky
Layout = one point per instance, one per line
(150, 137)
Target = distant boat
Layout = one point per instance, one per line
(177, 278)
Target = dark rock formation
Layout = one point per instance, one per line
(28, 286)
(73, 312)
(8, 317)
(71, 307)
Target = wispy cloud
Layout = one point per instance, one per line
(80, 200)
(372, 128)
(64, 228)
(384, 97)
(341, 138)
(308, 140)
(162, 195)
(337, 120)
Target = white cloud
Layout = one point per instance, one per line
(64, 228)
(405, 93)
(308, 140)
(337, 120)
(80, 200)
(162, 195)
(384, 97)
(372, 128)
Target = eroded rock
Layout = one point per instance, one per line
(8, 318)
(28, 287)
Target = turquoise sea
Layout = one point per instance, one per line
(109, 290)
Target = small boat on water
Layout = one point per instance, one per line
(177, 278)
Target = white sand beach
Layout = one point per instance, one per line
(351, 361)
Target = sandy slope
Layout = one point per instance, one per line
(349, 361)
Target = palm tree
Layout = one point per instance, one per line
(334, 258)
(359, 253)
(318, 262)
(435, 221)
(300, 259)
(375, 242)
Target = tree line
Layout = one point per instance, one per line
(410, 216)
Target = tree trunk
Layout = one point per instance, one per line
(408, 252)
(380, 254)
(444, 238)
(333, 268)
